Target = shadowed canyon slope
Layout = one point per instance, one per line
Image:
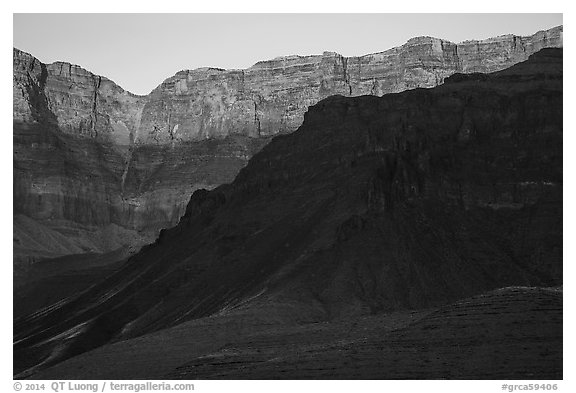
(104, 169)
(374, 206)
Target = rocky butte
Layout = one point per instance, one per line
(97, 168)
(413, 235)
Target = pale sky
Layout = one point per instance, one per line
(139, 51)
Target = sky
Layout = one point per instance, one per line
(139, 51)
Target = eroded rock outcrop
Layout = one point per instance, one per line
(272, 96)
(74, 100)
(374, 205)
(92, 160)
(77, 172)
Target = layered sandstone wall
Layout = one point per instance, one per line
(73, 99)
(268, 98)
(88, 153)
(272, 96)
(374, 205)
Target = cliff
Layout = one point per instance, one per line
(78, 174)
(74, 100)
(108, 169)
(374, 205)
(272, 96)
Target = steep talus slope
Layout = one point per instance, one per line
(407, 201)
(71, 186)
(51, 280)
(93, 162)
(32, 240)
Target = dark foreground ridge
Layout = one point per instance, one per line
(373, 208)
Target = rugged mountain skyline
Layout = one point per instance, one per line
(93, 105)
(334, 234)
(97, 168)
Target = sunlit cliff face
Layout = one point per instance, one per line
(110, 169)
